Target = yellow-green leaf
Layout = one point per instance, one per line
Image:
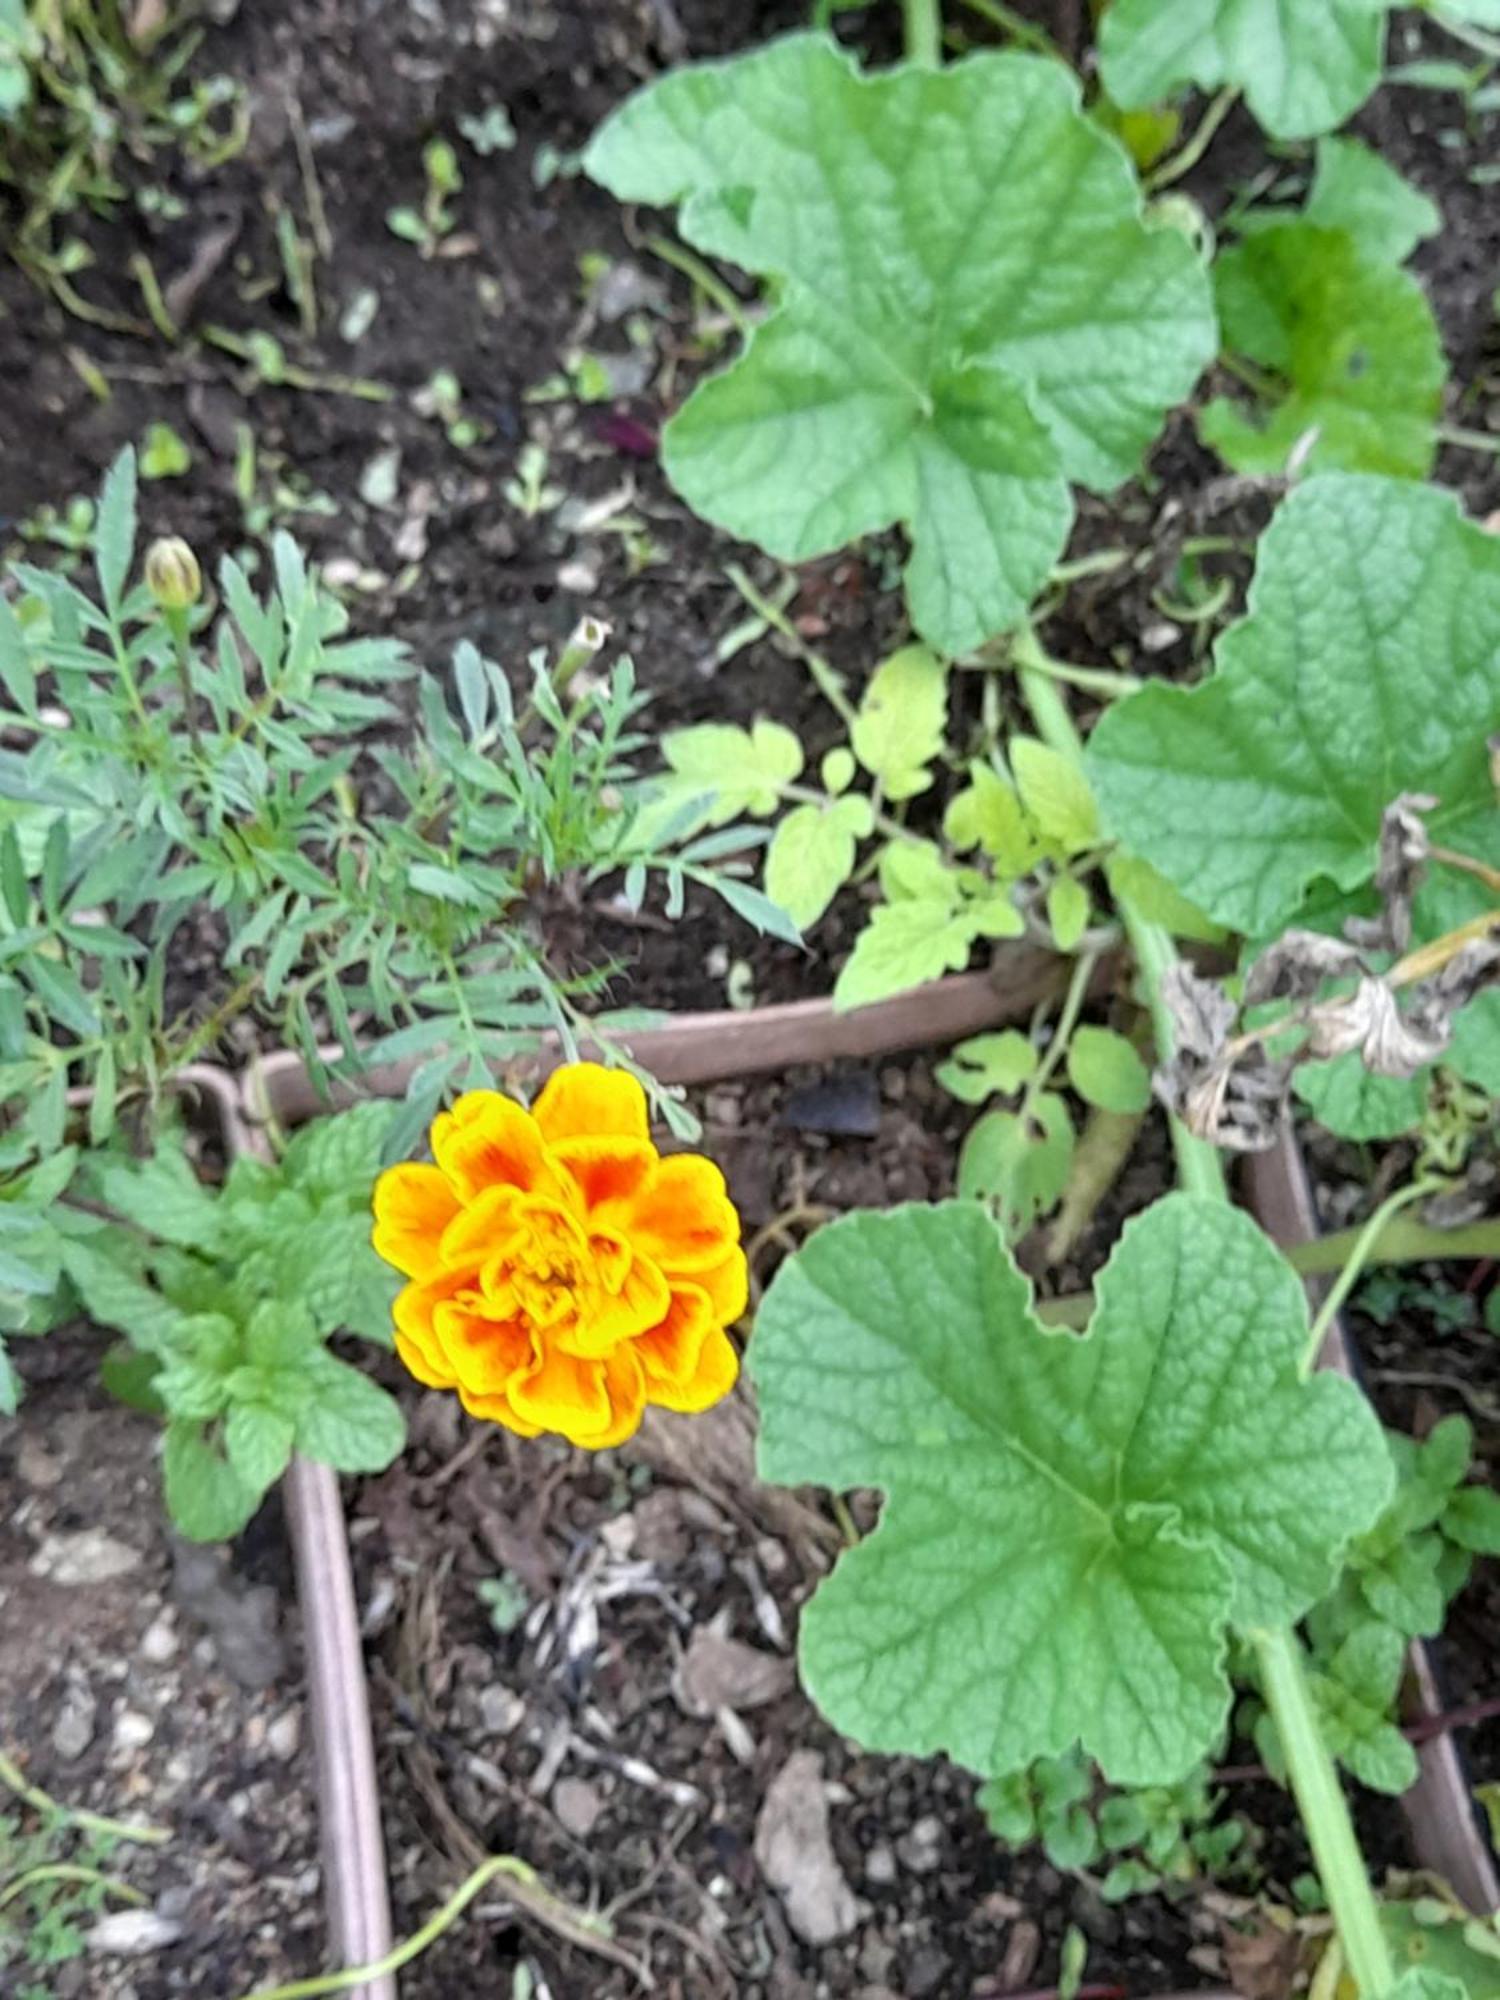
(811, 856)
(743, 770)
(988, 814)
(899, 728)
(1067, 911)
(1106, 1071)
(1056, 794)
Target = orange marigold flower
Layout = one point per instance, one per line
(563, 1274)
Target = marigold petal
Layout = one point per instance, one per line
(684, 1220)
(483, 1227)
(625, 1386)
(608, 1318)
(413, 1313)
(488, 1141)
(497, 1410)
(485, 1354)
(716, 1373)
(413, 1206)
(728, 1287)
(586, 1100)
(607, 1170)
(669, 1352)
(415, 1359)
(563, 1392)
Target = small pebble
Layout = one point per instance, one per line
(133, 1731)
(285, 1735)
(880, 1867)
(159, 1641)
(577, 1805)
(73, 1730)
(499, 1709)
(920, 1847)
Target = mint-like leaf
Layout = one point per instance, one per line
(973, 311)
(206, 1498)
(1303, 69)
(1071, 1524)
(348, 1421)
(258, 1443)
(1352, 340)
(162, 1196)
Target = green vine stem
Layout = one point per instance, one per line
(1314, 1777)
(1354, 1264)
(924, 34)
(587, 1932)
(69, 1871)
(1325, 1813)
(1402, 1241)
(14, 1778)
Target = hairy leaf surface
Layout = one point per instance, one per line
(1303, 68)
(1071, 1524)
(973, 311)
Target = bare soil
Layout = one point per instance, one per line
(574, 1739)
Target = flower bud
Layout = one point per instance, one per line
(172, 573)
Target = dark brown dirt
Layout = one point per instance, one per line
(139, 1681)
(482, 1732)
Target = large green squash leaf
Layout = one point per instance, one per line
(973, 311)
(1304, 65)
(1352, 339)
(1369, 665)
(1071, 1524)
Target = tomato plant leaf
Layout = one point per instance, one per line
(1302, 69)
(899, 728)
(1106, 1072)
(1071, 1524)
(811, 855)
(918, 938)
(972, 311)
(1353, 346)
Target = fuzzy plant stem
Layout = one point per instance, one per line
(924, 34)
(1314, 1776)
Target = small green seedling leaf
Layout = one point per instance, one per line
(812, 853)
(1106, 1072)
(1072, 1525)
(741, 770)
(988, 814)
(899, 728)
(1157, 901)
(937, 358)
(920, 935)
(1353, 340)
(1067, 911)
(1056, 794)
(164, 455)
(1018, 1162)
(1357, 191)
(988, 1066)
(1303, 69)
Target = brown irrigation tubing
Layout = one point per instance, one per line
(353, 1844)
(1440, 1811)
(712, 1048)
